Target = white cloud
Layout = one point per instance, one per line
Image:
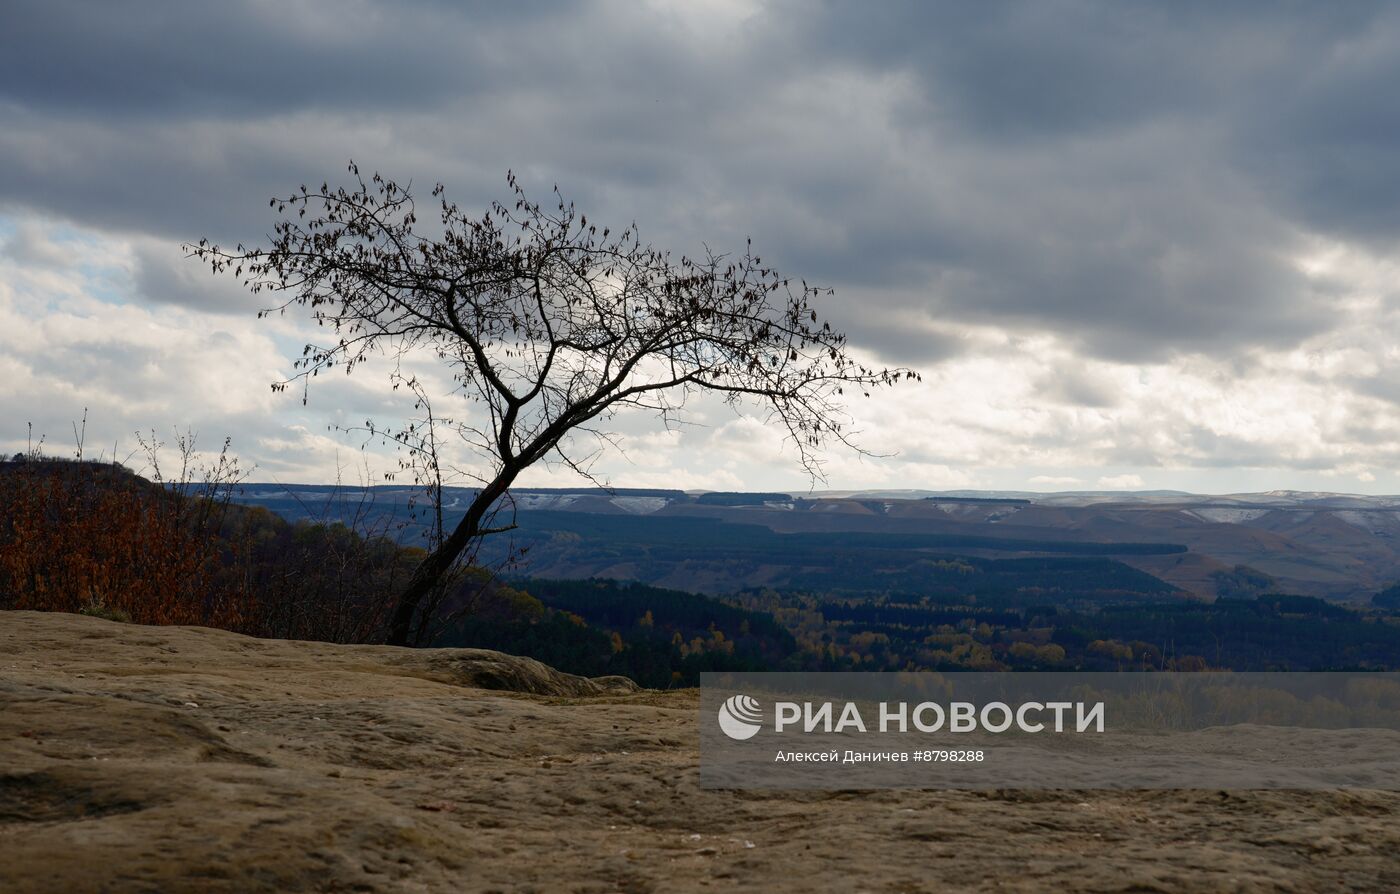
(1120, 482)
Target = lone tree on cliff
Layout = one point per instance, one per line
(549, 323)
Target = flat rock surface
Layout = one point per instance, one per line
(185, 759)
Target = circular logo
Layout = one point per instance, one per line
(740, 717)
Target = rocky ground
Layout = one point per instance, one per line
(185, 759)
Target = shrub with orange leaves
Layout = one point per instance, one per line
(78, 535)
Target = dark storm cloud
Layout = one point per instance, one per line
(1133, 179)
(1139, 175)
(156, 58)
(1326, 145)
(1063, 68)
(164, 275)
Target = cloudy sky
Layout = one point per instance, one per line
(1128, 246)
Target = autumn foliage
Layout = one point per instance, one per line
(81, 536)
(98, 539)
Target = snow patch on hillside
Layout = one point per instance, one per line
(544, 501)
(1225, 515)
(978, 511)
(1370, 522)
(640, 505)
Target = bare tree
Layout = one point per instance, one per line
(549, 323)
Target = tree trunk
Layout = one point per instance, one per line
(437, 563)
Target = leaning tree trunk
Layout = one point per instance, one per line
(437, 563)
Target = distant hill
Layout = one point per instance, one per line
(1332, 545)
